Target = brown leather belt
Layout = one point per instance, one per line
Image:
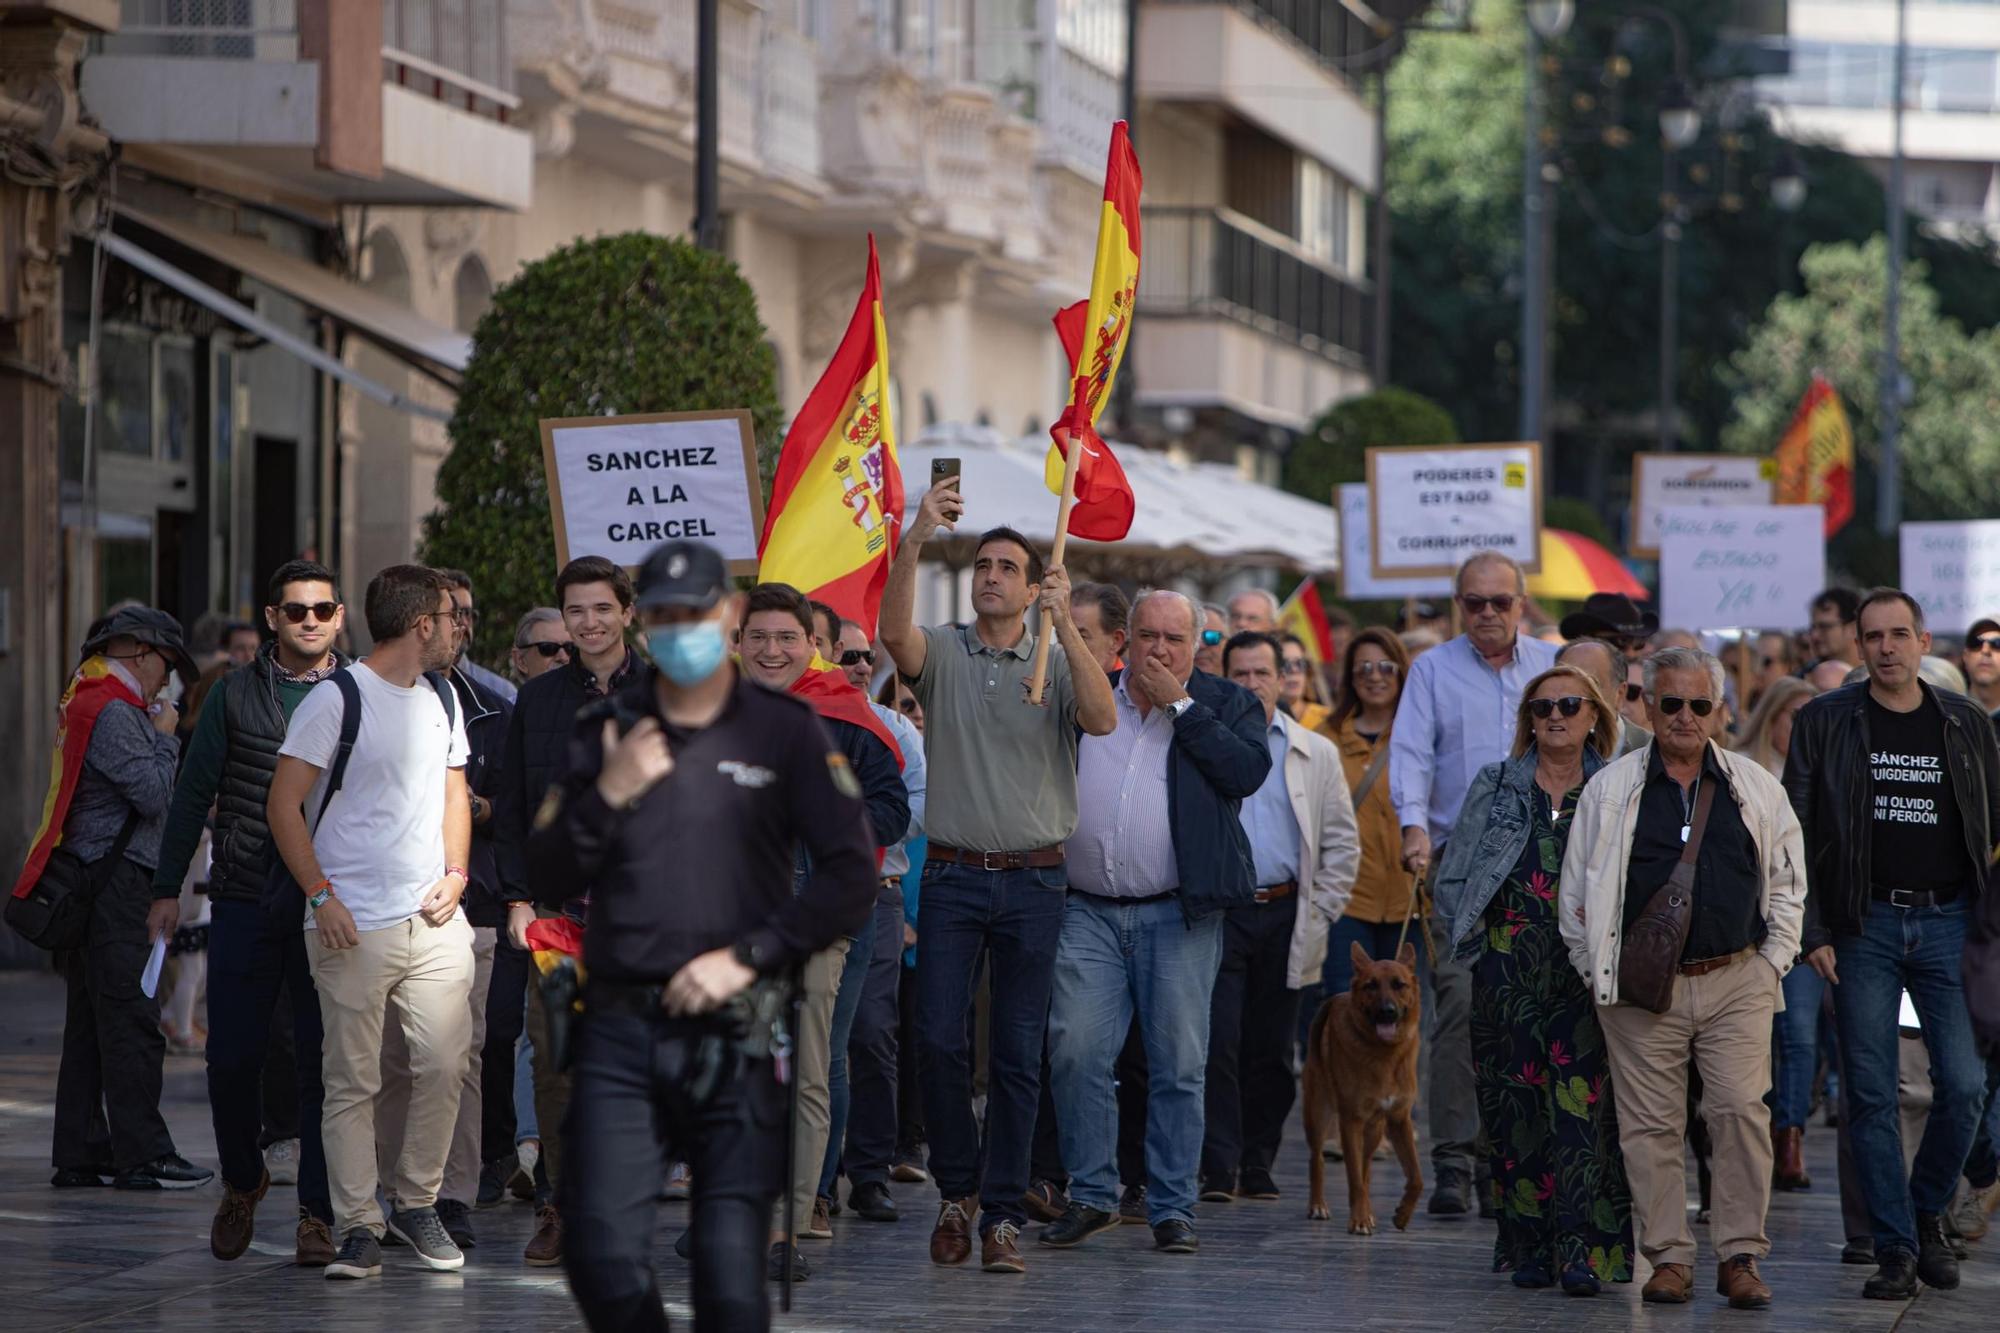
(1701, 967)
(1040, 858)
(1270, 893)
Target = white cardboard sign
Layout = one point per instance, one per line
(1431, 507)
(619, 486)
(1953, 570)
(1661, 481)
(1740, 567)
(1356, 582)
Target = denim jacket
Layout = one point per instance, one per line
(1486, 843)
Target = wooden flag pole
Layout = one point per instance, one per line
(1038, 683)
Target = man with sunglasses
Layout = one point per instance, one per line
(1208, 644)
(1634, 823)
(1605, 665)
(254, 954)
(541, 644)
(1982, 664)
(1457, 715)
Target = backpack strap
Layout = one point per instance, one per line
(350, 728)
(446, 696)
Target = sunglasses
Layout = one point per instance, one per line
(296, 612)
(1544, 709)
(547, 649)
(1374, 669)
(1211, 637)
(1634, 693)
(1986, 642)
(1292, 669)
(856, 655)
(1475, 605)
(908, 707)
(1671, 704)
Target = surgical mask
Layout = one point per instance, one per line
(687, 654)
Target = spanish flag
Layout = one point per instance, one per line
(93, 686)
(1094, 334)
(1304, 614)
(837, 501)
(1815, 457)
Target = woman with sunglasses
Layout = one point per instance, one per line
(1539, 1065)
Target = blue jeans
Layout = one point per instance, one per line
(526, 1126)
(1919, 950)
(1117, 959)
(1795, 1048)
(846, 1003)
(1014, 918)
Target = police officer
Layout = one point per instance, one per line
(685, 796)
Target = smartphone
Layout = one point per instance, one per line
(947, 469)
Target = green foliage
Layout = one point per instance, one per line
(1335, 449)
(609, 326)
(1950, 440)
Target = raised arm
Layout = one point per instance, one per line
(1096, 711)
(940, 508)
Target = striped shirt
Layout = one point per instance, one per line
(1124, 844)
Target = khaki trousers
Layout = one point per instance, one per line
(392, 1107)
(425, 972)
(1723, 1022)
(813, 1060)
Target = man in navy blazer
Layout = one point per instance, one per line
(1158, 853)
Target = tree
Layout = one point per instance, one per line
(1335, 449)
(1950, 439)
(609, 326)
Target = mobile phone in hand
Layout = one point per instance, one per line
(947, 469)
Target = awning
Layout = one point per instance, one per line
(434, 349)
(1205, 510)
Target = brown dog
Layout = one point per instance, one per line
(1361, 1074)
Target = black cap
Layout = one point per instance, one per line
(679, 573)
(1983, 625)
(1609, 615)
(147, 625)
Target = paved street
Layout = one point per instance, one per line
(110, 1260)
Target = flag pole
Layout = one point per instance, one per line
(1071, 447)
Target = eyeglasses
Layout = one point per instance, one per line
(784, 638)
(1544, 709)
(1365, 669)
(1671, 704)
(469, 615)
(1633, 693)
(547, 649)
(1984, 643)
(854, 656)
(1295, 667)
(296, 612)
(1475, 605)
(1211, 637)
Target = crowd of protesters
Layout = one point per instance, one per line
(1100, 924)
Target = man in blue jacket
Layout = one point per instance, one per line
(1158, 854)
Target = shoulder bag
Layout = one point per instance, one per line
(55, 913)
(1650, 958)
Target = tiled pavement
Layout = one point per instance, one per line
(108, 1260)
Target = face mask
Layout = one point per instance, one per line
(688, 654)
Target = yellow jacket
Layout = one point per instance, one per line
(1382, 886)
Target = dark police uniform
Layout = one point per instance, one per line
(702, 861)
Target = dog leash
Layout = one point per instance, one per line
(1419, 891)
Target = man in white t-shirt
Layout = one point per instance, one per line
(382, 869)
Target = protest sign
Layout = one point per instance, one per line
(1953, 570)
(1356, 581)
(1660, 481)
(1431, 507)
(1740, 567)
(619, 486)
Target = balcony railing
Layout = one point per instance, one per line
(207, 29)
(1201, 261)
(452, 50)
(1330, 31)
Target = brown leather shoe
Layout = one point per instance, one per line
(315, 1244)
(1788, 1158)
(1000, 1250)
(1736, 1277)
(951, 1239)
(1671, 1284)
(545, 1250)
(235, 1220)
(821, 1225)
(1044, 1202)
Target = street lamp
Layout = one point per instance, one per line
(1680, 120)
(1788, 183)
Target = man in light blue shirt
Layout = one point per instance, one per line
(1457, 715)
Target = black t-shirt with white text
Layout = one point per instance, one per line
(1918, 838)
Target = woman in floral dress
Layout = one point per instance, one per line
(1542, 1077)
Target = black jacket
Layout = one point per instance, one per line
(1830, 780)
(487, 722)
(880, 776)
(1220, 756)
(537, 739)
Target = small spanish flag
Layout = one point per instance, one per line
(1815, 456)
(837, 501)
(1094, 334)
(1304, 614)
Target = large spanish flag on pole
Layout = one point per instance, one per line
(1815, 457)
(837, 501)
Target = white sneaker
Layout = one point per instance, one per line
(527, 1153)
(281, 1159)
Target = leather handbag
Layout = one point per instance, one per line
(1650, 958)
(54, 913)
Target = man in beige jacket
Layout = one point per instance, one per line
(1630, 828)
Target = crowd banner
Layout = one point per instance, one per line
(1953, 570)
(1748, 565)
(619, 486)
(1432, 506)
(1357, 582)
(1661, 481)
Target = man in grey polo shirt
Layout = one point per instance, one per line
(1002, 799)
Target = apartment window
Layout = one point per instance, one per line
(1323, 211)
(1095, 30)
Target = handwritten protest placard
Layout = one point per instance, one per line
(1953, 570)
(1430, 507)
(1747, 567)
(1660, 481)
(1356, 581)
(619, 486)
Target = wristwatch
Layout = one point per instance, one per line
(1179, 706)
